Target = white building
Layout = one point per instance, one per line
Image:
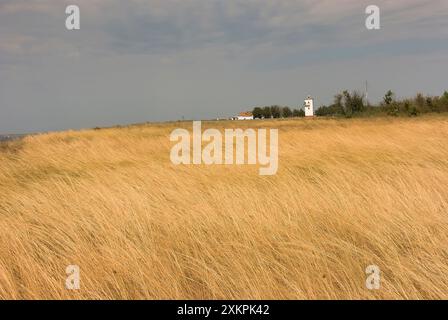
(245, 116)
(309, 107)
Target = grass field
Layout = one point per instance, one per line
(348, 193)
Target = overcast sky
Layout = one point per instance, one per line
(153, 60)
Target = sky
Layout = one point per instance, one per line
(155, 60)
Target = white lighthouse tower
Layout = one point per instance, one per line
(309, 107)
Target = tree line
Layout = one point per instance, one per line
(276, 112)
(352, 104)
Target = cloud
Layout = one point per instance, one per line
(164, 59)
(167, 27)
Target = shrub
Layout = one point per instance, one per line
(388, 97)
(276, 111)
(286, 112)
(298, 113)
(258, 113)
(267, 112)
(413, 112)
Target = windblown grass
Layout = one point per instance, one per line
(348, 194)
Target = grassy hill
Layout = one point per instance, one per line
(349, 193)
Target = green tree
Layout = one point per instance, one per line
(286, 112)
(298, 113)
(443, 101)
(388, 97)
(337, 107)
(347, 106)
(445, 96)
(323, 111)
(267, 112)
(258, 113)
(338, 101)
(276, 112)
(357, 101)
(352, 103)
(420, 100)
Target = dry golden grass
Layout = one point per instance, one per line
(348, 194)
